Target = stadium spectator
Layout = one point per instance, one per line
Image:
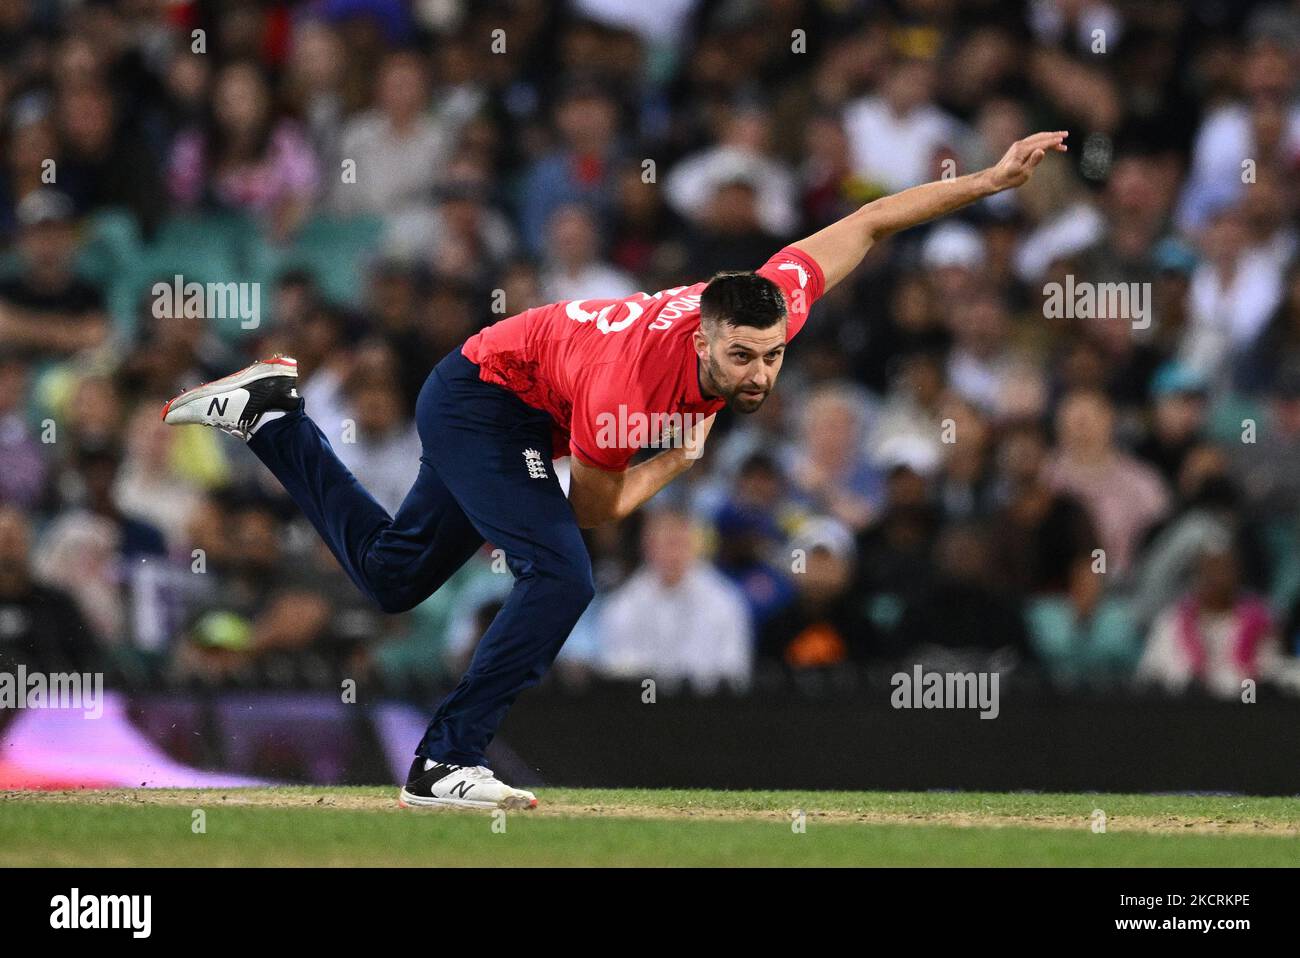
(645, 230)
(728, 233)
(573, 268)
(457, 234)
(1084, 636)
(320, 87)
(897, 134)
(319, 338)
(399, 147)
(112, 563)
(22, 481)
(677, 619)
(581, 169)
(1263, 124)
(1215, 637)
(1178, 421)
(244, 157)
(1234, 291)
(823, 626)
(749, 537)
(966, 615)
(47, 311)
(1123, 496)
(1041, 533)
(980, 366)
(1210, 510)
(380, 445)
(830, 472)
(105, 165)
(912, 411)
(1258, 369)
(40, 627)
(965, 486)
(164, 477)
(31, 146)
(1266, 450)
(252, 604)
(895, 570)
(742, 154)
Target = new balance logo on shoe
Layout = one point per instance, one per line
(261, 392)
(536, 468)
(431, 784)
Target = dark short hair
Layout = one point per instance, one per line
(742, 299)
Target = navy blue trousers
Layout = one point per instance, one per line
(485, 475)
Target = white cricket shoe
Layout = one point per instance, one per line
(237, 403)
(433, 784)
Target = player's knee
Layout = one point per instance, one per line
(574, 588)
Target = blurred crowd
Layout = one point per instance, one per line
(951, 472)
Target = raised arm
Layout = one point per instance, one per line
(599, 496)
(840, 247)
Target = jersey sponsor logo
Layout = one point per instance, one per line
(533, 460)
(798, 268)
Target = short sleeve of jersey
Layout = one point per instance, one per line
(802, 281)
(594, 432)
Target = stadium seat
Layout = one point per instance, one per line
(111, 242)
(212, 248)
(334, 250)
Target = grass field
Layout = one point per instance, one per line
(364, 826)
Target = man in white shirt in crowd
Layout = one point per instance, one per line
(677, 619)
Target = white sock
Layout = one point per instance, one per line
(270, 416)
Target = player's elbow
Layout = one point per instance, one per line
(589, 510)
(591, 515)
(594, 495)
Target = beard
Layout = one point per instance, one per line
(737, 399)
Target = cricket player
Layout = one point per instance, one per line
(579, 378)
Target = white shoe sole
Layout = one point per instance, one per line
(279, 366)
(511, 803)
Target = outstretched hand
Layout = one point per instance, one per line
(1020, 161)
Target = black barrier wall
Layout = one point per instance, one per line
(610, 738)
(611, 735)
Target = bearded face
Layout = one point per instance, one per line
(739, 364)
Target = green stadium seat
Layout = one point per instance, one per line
(111, 242)
(333, 249)
(211, 248)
